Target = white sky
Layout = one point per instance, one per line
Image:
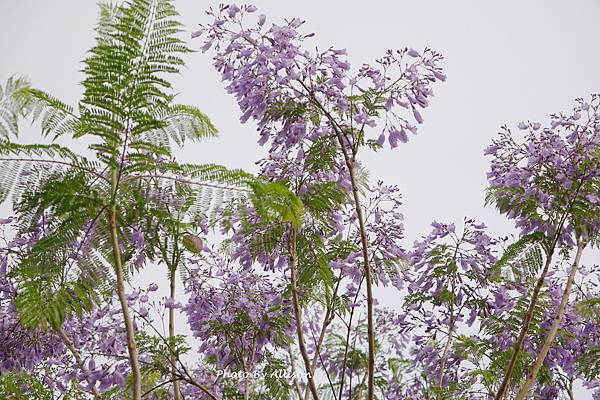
(506, 61)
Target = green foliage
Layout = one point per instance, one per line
(588, 363)
(29, 167)
(523, 259)
(128, 113)
(19, 385)
(321, 155)
(161, 350)
(184, 122)
(276, 385)
(275, 202)
(12, 105)
(495, 326)
(289, 111)
(323, 198)
(589, 310)
(513, 200)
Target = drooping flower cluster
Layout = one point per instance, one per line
(551, 174)
(293, 93)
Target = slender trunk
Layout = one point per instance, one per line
(570, 389)
(313, 364)
(246, 391)
(539, 361)
(536, 291)
(345, 360)
(524, 328)
(245, 370)
(451, 326)
(367, 267)
(78, 359)
(350, 163)
(445, 353)
(294, 373)
(129, 328)
(298, 314)
(176, 383)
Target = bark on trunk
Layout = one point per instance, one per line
(129, 328)
(524, 328)
(176, 383)
(298, 313)
(539, 361)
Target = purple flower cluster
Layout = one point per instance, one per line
(447, 292)
(551, 174)
(299, 98)
(278, 83)
(235, 313)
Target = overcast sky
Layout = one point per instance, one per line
(506, 61)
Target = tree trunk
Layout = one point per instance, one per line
(539, 361)
(176, 383)
(367, 267)
(298, 313)
(524, 328)
(129, 328)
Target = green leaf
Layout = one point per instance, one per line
(193, 243)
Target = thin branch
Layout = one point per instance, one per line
(173, 380)
(78, 359)
(187, 182)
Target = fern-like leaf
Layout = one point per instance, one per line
(13, 105)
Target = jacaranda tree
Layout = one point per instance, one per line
(281, 269)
